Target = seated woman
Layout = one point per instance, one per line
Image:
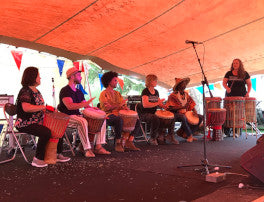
(150, 102)
(30, 114)
(179, 102)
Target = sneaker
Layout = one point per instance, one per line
(38, 163)
(62, 159)
(153, 141)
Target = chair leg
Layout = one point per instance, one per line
(69, 143)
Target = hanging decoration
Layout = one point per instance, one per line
(60, 65)
(200, 88)
(76, 65)
(80, 87)
(17, 55)
(100, 76)
(254, 84)
(121, 83)
(218, 86)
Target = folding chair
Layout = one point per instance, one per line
(71, 128)
(10, 110)
(138, 109)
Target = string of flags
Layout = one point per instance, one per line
(17, 55)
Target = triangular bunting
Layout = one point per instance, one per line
(76, 65)
(100, 76)
(254, 84)
(121, 83)
(60, 65)
(79, 86)
(17, 55)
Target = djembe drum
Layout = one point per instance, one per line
(213, 103)
(192, 117)
(215, 119)
(129, 121)
(95, 119)
(235, 110)
(165, 117)
(250, 109)
(57, 122)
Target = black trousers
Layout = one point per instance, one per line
(44, 135)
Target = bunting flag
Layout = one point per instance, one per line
(100, 76)
(82, 67)
(80, 87)
(76, 65)
(1, 127)
(254, 84)
(218, 86)
(60, 65)
(200, 88)
(121, 83)
(17, 55)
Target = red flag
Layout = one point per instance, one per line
(76, 65)
(17, 57)
(121, 83)
(82, 67)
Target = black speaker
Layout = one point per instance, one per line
(253, 161)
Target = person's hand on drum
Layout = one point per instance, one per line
(160, 103)
(247, 95)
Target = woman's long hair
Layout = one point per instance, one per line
(241, 73)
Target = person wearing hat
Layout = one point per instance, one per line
(179, 102)
(150, 103)
(71, 100)
(111, 101)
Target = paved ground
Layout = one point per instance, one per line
(148, 175)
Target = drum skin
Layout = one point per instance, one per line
(192, 118)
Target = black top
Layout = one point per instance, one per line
(152, 98)
(77, 97)
(28, 118)
(237, 85)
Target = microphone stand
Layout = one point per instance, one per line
(204, 162)
(53, 93)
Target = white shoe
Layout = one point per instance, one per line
(38, 163)
(62, 159)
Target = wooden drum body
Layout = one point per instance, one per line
(215, 120)
(250, 109)
(95, 119)
(235, 111)
(129, 119)
(57, 122)
(165, 117)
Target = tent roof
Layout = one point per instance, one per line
(142, 37)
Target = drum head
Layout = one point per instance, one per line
(164, 114)
(127, 113)
(94, 113)
(192, 118)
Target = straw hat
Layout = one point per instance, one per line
(180, 80)
(71, 72)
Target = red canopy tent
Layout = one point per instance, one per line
(144, 36)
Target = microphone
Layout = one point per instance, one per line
(193, 42)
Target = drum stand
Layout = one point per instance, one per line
(204, 162)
